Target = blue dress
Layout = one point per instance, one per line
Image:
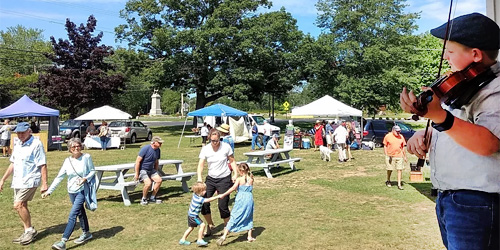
(242, 213)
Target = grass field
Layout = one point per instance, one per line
(322, 205)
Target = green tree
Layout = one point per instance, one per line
(22, 55)
(374, 44)
(214, 48)
(170, 101)
(80, 78)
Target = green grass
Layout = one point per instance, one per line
(322, 205)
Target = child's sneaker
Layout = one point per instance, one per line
(184, 242)
(201, 243)
(144, 202)
(60, 245)
(84, 237)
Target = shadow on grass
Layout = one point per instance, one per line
(257, 231)
(163, 194)
(275, 171)
(56, 229)
(424, 188)
(103, 233)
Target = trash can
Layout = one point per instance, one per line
(306, 143)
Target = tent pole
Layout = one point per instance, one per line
(185, 121)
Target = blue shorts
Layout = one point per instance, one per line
(194, 221)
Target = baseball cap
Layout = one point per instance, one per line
(396, 128)
(22, 126)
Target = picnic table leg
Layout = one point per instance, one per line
(126, 199)
(292, 166)
(268, 172)
(185, 187)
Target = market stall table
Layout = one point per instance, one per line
(95, 142)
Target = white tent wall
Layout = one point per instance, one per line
(238, 129)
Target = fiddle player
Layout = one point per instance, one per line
(464, 145)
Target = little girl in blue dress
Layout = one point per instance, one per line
(242, 214)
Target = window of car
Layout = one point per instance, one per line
(404, 128)
(118, 124)
(138, 124)
(71, 123)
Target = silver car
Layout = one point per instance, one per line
(130, 130)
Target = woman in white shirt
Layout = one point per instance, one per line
(79, 168)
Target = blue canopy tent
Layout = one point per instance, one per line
(214, 110)
(25, 107)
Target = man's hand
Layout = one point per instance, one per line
(44, 195)
(136, 177)
(416, 144)
(43, 188)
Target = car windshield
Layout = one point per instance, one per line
(71, 123)
(258, 119)
(119, 124)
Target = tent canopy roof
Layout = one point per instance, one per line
(217, 110)
(26, 107)
(326, 106)
(105, 113)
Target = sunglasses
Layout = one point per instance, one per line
(78, 146)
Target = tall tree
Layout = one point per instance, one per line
(80, 78)
(374, 44)
(21, 56)
(214, 48)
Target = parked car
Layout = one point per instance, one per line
(130, 130)
(72, 128)
(375, 130)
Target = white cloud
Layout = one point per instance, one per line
(297, 7)
(438, 10)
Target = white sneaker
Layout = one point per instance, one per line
(144, 202)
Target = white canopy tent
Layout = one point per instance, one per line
(105, 113)
(326, 106)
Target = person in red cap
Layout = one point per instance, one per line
(464, 146)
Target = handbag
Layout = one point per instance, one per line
(89, 190)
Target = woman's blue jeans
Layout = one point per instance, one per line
(77, 210)
(468, 219)
(255, 141)
(104, 142)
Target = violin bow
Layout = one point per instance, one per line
(421, 161)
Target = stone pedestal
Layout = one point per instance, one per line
(416, 176)
(155, 104)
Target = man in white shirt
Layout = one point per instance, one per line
(28, 165)
(267, 132)
(5, 138)
(340, 136)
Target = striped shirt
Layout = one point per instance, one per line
(195, 206)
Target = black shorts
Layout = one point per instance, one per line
(204, 139)
(194, 221)
(5, 143)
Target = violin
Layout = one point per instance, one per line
(455, 88)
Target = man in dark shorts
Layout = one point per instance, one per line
(146, 169)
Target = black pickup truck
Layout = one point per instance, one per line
(73, 128)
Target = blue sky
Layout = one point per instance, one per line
(50, 15)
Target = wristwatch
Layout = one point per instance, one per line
(446, 125)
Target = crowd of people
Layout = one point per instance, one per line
(464, 171)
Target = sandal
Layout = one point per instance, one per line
(250, 239)
(209, 231)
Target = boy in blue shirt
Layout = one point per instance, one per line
(199, 189)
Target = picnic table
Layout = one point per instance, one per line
(118, 180)
(258, 159)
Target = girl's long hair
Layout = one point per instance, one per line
(243, 167)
